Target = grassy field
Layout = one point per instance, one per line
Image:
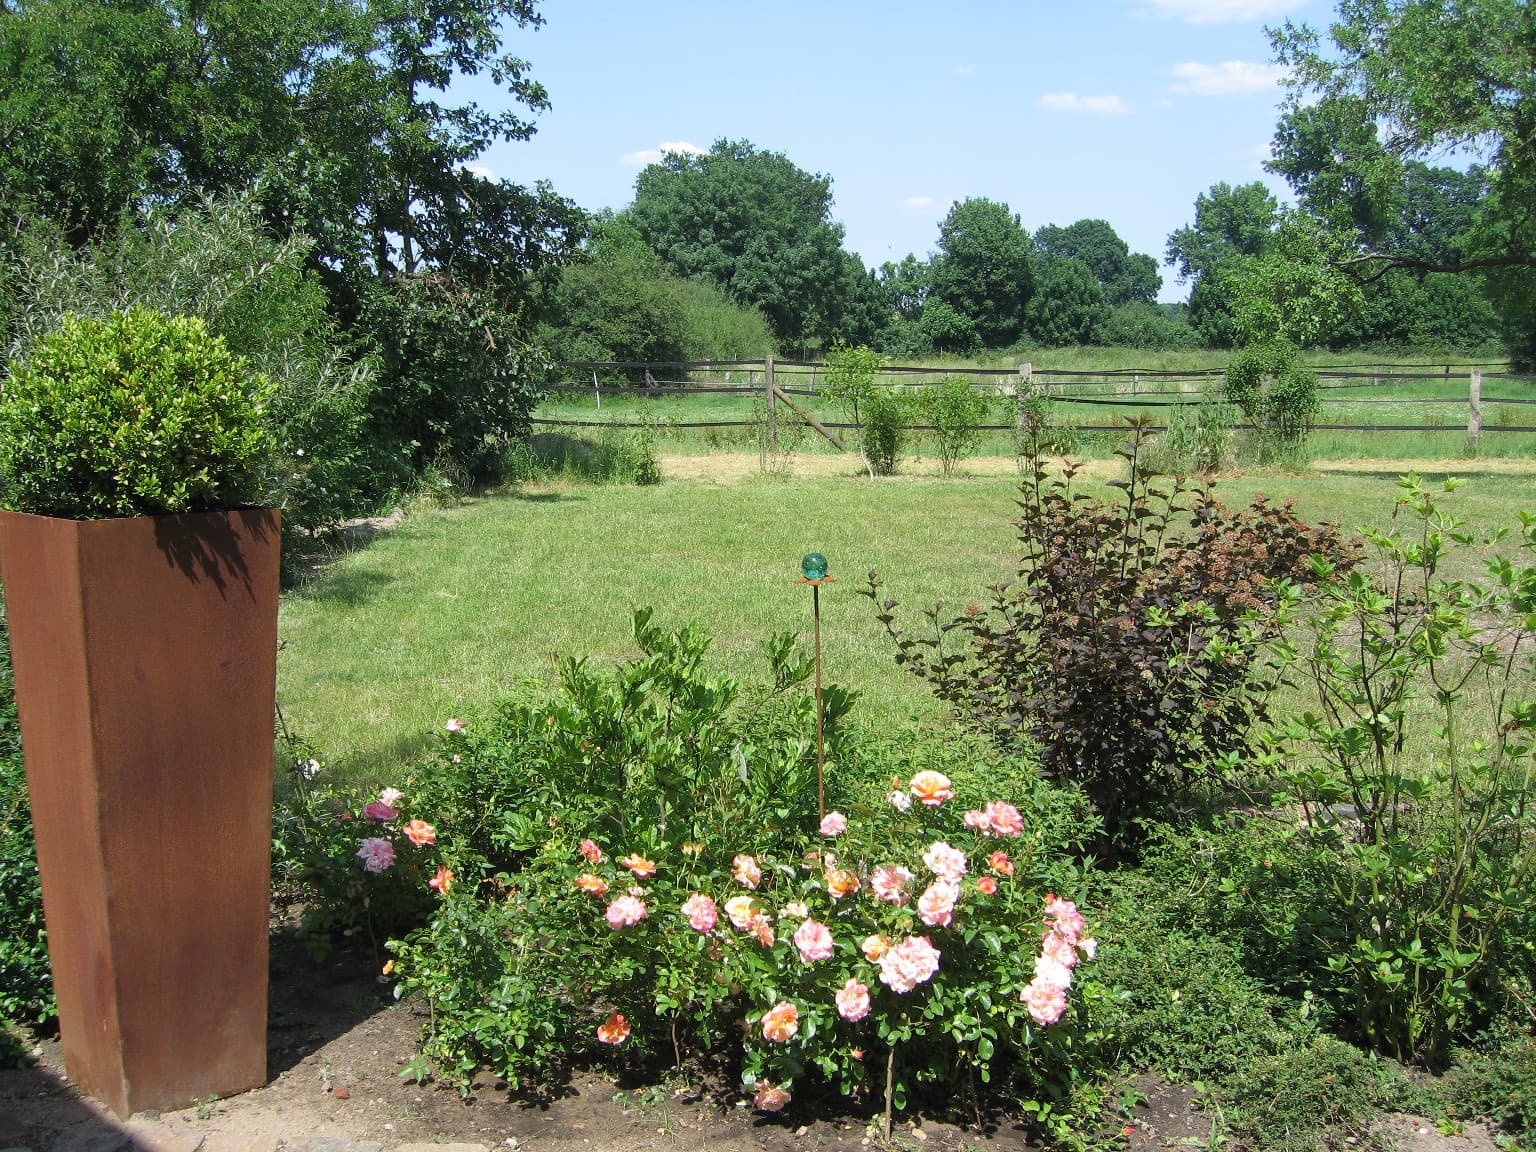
(441, 615)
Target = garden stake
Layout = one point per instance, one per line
(813, 571)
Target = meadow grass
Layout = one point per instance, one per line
(444, 614)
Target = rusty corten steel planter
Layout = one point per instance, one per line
(145, 655)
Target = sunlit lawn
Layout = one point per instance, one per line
(439, 616)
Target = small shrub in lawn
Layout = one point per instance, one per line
(1198, 439)
(135, 415)
(1132, 647)
(1430, 855)
(1038, 425)
(885, 430)
(955, 411)
(1277, 394)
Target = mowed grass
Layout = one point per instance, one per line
(444, 614)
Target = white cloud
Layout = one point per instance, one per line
(1222, 11)
(1072, 102)
(1229, 78)
(479, 170)
(653, 155)
(918, 203)
(966, 70)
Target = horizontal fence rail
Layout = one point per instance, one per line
(1149, 392)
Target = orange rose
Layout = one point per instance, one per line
(639, 865)
(614, 1030)
(841, 883)
(593, 884)
(875, 947)
(930, 788)
(781, 1022)
(420, 833)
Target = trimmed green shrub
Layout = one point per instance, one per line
(1276, 393)
(136, 415)
(885, 430)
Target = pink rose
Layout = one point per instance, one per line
(379, 812)
(908, 964)
(889, 883)
(899, 800)
(1047, 1002)
(814, 942)
(1003, 819)
(589, 849)
(936, 905)
(614, 1030)
(978, 821)
(1049, 970)
(853, 1000)
(625, 912)
(945, 862)
(1056, 946)
(454, 725)
(834, 824)
(377, 854)
(1064, 917)
(391, 796)
(701, 913)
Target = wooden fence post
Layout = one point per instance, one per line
(769, 392)
(1474, 410)
(595, 390)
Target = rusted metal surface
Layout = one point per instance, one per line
(145, 663)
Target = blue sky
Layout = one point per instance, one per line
(1121, 109)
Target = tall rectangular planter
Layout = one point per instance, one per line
(145, 654)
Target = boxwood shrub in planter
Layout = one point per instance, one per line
(141, 589)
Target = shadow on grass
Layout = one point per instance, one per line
(344, 587)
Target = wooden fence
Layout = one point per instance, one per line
(777, 382)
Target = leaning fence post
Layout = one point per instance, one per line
(1474, 410)
(595, 391)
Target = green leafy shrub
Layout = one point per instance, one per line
(1036, 424)
(1131, 647)
(955, 411)
(1277, 394)
(1497, 1080)
(26, 981)
(1197, 439)
(135, 415)
(885, 430)
(1290, 1101)
(1430, 858)
(612, 456)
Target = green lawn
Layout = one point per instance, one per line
(441, 615)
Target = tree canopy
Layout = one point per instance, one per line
(982, 269)
(1125, 276)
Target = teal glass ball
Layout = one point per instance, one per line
(813, 566)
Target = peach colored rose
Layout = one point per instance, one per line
(986, 886)
(591, 851)
(741, 911)
(1047, 1002)
(614, 1030)
(875, 947)
(1003, 819)
(945, 862)
(930, 788)
(841, 883)
(420, 833)
(781, 1022)
(442, 880)
(762, 928)
(1000, 863)
(596, 885)
(639, 865)
(744, 871)
(977, 821)
(909, 963)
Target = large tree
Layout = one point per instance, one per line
(1124, 275)
(1231, 223)
(982, 269)
(754, 223)
(1402, 80)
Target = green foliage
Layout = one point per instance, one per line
(1276, 394)
(1131, 646)
(850, 382)
(1231, 223)
(982, 271)
(1125, 277)
(715, 327)
(612, 456)
(885, 429)
(1147, 327)
(1290, 1101)
(455, 378)
(1038, 424)
(216, 260)
(1294, 290)
(26, 982)
(1068, 306)
(1430, 867)
(1497, 1080)
(134, 415)
(955, 410)
(1197, 439)
(751, 222)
